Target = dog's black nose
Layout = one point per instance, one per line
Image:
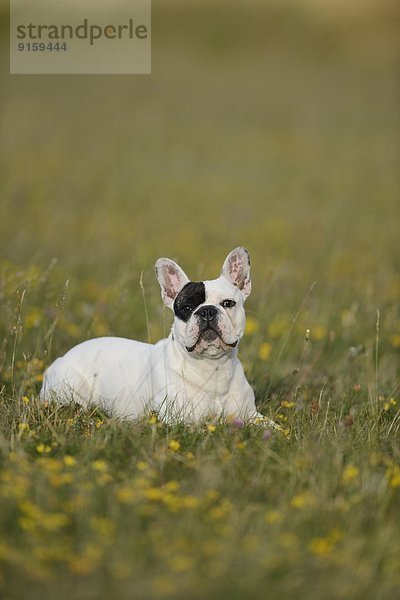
(207, 313)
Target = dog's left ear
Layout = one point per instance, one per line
(171, 279)
(237, 270)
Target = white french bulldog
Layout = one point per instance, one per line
(192, 375)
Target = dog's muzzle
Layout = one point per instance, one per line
(208, 326)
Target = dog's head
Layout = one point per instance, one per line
(209, 315)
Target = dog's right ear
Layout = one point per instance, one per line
(171, 279)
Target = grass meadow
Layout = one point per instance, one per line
(268, 125)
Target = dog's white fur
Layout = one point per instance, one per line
(190, 376)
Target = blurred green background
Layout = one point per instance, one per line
(272, 125)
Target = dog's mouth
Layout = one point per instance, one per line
(209, 335)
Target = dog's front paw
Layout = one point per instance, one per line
(263, 421)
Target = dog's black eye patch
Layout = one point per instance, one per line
(189, 298)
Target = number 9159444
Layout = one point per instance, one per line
(42, 47)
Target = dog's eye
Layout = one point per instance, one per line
(228, 303)
(187, 309)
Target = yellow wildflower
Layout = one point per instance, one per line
(171, 486)
(103, 478)
(190, 501)
(287, 404)
(395, 481)
(99, 465)
(69, 461)
(33, 317)
(174, 445)
(221, 510)
(350, 473)
(302, 500)
(73, 329)
(51, 465)
(125, 495)
(273, 516)
(395, 340)
(387, 405)
(212, 494)
(141, 465)
(320, 546)
(153, 493)
(43, 448)
(57, 480)
(264, 351)
(319, 332)
(252, 326)
(393, 475)
(54, 521)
